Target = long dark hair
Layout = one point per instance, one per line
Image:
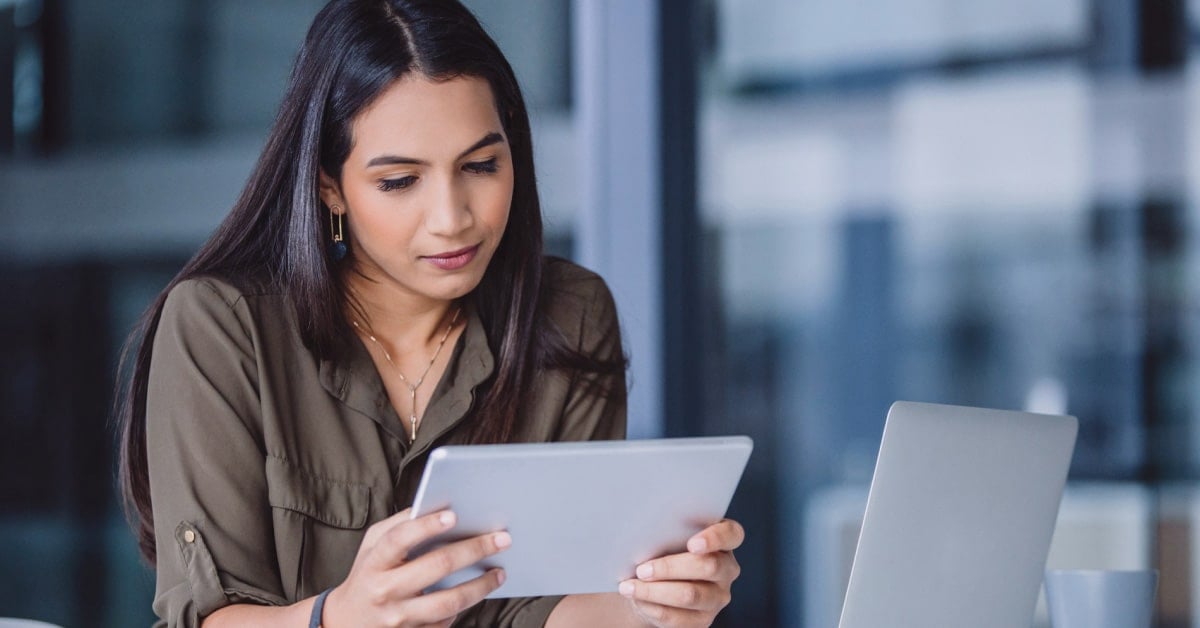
(277, 228)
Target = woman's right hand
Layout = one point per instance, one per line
(385, 588)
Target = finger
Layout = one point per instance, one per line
(712, 567)
(661, 615)
(696, 596)
(380, 528)
(447, 603)
(724, 536)
(428, 568)
(394, 546)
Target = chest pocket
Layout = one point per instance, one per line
(319, 523)
(332, 502)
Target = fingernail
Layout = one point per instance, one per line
(502, 540)
(625, 588)
(697, 544)
(645, 571)
(500, 577)
(446, 518)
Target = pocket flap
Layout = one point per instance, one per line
(333, 502)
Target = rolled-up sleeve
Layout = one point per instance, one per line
(212, 519)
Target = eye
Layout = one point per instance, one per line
(481, 167)
(389, 185)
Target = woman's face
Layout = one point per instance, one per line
(426, 190)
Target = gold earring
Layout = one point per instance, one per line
(338, 249)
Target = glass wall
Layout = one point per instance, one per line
(984, 203)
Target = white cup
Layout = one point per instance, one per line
(1089, 598)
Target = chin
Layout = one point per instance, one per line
(451, 288)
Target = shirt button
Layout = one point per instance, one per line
(189, 536)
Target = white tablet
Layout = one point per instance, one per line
(582, 515)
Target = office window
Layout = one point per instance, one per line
(985, 204)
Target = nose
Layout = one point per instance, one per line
(448, 213)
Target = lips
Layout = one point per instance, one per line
(453, 260)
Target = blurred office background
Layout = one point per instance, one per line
(808, 209)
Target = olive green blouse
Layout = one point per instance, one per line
(267, 465)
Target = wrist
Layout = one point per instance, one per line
(316, 616)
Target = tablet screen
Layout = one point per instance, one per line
(582, 515)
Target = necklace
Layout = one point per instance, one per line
(412, 387)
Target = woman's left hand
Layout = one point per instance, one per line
(688, 589)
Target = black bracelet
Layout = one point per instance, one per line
(314, 621)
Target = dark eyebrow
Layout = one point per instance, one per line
(388, 160)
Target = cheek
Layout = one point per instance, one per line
(497, 217)
(377, 220)
(498, 207)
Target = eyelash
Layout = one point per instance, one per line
(389, 185)
(482, 167)
(475, 167)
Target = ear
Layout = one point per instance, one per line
(331, 194)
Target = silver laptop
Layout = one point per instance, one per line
(959, 518)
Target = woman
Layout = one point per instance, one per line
(377, 290)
